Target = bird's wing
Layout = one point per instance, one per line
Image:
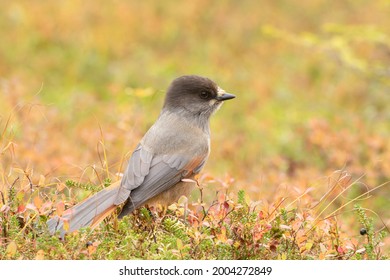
(138, 167)
(148, 175)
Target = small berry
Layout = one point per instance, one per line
(363, 231)
(89, 243)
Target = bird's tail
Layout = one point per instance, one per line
(89, 212)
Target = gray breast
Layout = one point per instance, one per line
(174, 134)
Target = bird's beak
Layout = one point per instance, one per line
(225, 96)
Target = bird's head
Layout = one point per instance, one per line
(195, 95)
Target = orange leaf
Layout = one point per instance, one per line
(37, 201)
(40, 255)
(301, 239)
(91, 249)
(60, 208)
(222, 236)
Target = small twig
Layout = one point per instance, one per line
(2, 197)
(277, 206)
(5, 126)
(30, 182)
(328, 193)
(316, 221)
(105, 162)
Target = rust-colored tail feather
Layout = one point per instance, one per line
(89, 212)
(98, 219)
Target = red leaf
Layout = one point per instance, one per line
(21, 208)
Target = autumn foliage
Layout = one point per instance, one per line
(300, 160)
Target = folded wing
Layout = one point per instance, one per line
(148, 175)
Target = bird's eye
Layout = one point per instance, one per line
(204, 95)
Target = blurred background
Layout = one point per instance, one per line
(81, 82)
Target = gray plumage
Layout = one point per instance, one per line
(83, 214)
(175, 147)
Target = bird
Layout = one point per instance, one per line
(163, 165)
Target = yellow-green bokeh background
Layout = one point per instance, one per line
(312, 80)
